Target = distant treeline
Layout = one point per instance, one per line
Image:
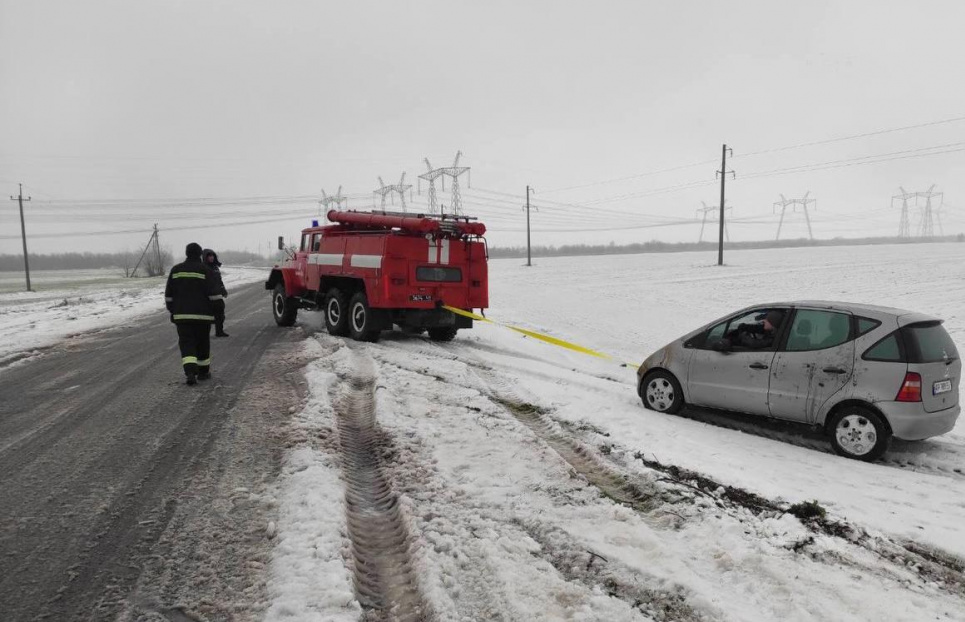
(122, 261)
(655, 246)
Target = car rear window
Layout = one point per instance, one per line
(928, 342)
(438, 274)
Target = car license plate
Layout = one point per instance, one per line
(421, 298)
(942, 386)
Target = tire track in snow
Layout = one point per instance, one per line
(929, 565)
(908, 562)
(943, 461)
(385, 581)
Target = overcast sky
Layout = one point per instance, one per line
(204, 115)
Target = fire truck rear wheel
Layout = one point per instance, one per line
(360, 319)
(443, 333)
(284, 308)
(336, 317)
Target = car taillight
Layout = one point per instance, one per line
(910, 389)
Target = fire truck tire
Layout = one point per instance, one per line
(336, 316)
(284, 308)
(360, 320)
(443, 333)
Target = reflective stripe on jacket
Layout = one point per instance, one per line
(190, 289)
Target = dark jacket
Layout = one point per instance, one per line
(190, 291)
(751, 336)
(215, 267)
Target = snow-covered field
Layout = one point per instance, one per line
(518, 481)
(71, 302)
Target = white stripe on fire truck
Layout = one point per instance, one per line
(366, 261)
(323, 259)
(444, 258)
(433, 251)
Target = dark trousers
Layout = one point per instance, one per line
(194, 340)
(218, 308)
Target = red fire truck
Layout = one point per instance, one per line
(370, 270)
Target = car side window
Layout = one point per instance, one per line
(316, 242)
(305, 241)
(866, 325)
(715, 334)
(888, 350)
(718, 331)
(818, 330)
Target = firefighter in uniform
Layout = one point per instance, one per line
(189, 295)
(211, 261)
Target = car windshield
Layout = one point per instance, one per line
(928, 342)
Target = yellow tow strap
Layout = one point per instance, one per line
(547, 338)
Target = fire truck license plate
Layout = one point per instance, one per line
(942, 386)
(421, 297)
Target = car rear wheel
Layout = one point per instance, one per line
(360, 319)
(661, 392)
(336, 317)
(859, 433)
(283, 308)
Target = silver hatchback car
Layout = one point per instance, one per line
(863, 373)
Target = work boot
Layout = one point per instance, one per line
(192, 380)
(222, 334)
(204, 374)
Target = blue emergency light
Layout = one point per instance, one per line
(314, 223)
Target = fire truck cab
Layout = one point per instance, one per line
(369, 270)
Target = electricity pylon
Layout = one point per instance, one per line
(326, 200)
(455, 171)
(712, 210)
(431, 175)
(399, 188)
(929, 212)
(793, 204)
(904, 229)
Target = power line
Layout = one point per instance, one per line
(851, 137)
(870, 159)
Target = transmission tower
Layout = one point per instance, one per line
(327, 201)
(431, 175)
(713, 211)
(400, 188)
(455, 171)
(803, 202)
(904, 229)
(930, 213)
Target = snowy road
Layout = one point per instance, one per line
(122, 488)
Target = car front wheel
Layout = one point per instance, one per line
(859, 433)
(661, 392)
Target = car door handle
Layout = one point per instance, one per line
(834, 370)
(757, 366)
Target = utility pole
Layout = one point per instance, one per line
(529, 257)
(723, 172)
(23, 235)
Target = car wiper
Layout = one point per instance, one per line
(950, 360)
